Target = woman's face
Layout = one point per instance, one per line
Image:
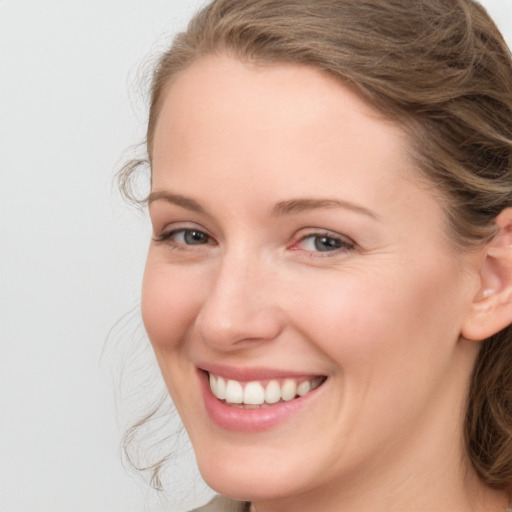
(297, 252)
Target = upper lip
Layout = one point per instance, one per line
(253, 373)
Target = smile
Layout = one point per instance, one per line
(261, 393)
(257, 399)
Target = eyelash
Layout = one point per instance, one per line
(337, 242)
(169, 237)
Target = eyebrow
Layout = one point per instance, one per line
(177, 199)
(303, 204)
(282, 208)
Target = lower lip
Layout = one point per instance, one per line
(250, 420)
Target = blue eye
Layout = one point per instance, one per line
(327, 243)
(185, 237)
(192, 236)
(324, 243)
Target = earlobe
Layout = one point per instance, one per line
(491, 310)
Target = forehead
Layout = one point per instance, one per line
(227, 97)
(249, 125)
(221, 82)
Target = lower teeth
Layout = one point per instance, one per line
(247, 406)
(259, 406)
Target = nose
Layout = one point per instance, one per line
(240, 307)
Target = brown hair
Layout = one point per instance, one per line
(443, 71)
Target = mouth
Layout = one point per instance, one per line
(257, 394)
(256, 400)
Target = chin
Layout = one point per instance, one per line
(248, 483)
(254, 473)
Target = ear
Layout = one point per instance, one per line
(491, 310)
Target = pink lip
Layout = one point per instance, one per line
(249, 420)
(250, 374)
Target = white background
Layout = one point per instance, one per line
(71, 253)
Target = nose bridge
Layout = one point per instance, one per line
(240, 305)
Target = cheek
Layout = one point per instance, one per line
(393, 318)
(169, 305)
(391, 347)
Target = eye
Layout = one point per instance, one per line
(191, 237)
(184, 236)
(324, 242)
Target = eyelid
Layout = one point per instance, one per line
(167, 233)
(347, 244)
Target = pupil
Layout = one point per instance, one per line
(325, 243)
(195, 237)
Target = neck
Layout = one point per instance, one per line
(476, 498)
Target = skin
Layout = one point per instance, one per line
(380, 316)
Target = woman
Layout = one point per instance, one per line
(328, 288)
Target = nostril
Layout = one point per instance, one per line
(239, 326)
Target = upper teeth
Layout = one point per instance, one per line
(256, 393)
